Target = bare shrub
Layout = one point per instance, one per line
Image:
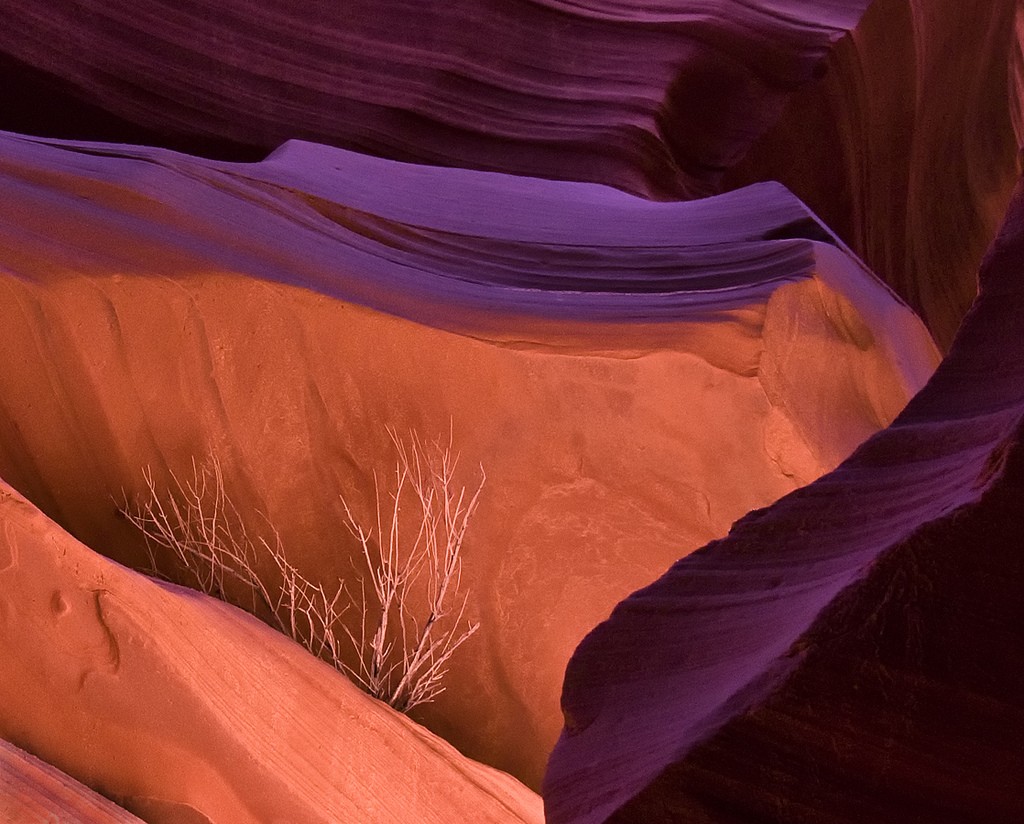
(401, 653)
(200, 524)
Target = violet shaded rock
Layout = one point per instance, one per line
(653, 98)
(633, 376)
(851, 652)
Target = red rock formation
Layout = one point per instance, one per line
(182, 709)
(851, 653)
(654, 98)
(906, 147)
(633, 376)
(33, 791)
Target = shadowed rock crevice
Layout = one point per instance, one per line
(39, 103)
(875, 613)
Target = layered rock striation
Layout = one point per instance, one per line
(182, 709)
(907, 146)
(850, 653)
(893, 120)
(653, 98)
(632, 376)
(32, 790)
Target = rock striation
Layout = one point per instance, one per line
(850, 653)
(907, 146)
(893, 120)
(654, 98)
(32, 790)
(180, 708)
(633, 376)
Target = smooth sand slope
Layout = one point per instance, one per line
(852, 653)
(632, 376)
(182, 709)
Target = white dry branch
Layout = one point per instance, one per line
(401, 654)
(200, 524)
(404, 651)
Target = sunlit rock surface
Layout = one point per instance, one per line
(182, 709)
(632, 376)
(656, 98)
(906, 147)
(852, 653)
(33, 791)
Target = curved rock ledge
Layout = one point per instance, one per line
(850, 653)
(633, 376)
(893, 120)
(653, 98)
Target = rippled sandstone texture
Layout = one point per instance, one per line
(32, 790)
(653, 98)
(892, 119)
(633, 376)
(851, 653)
(906, 148)
(157, 307)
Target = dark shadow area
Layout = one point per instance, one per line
(38, 103)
